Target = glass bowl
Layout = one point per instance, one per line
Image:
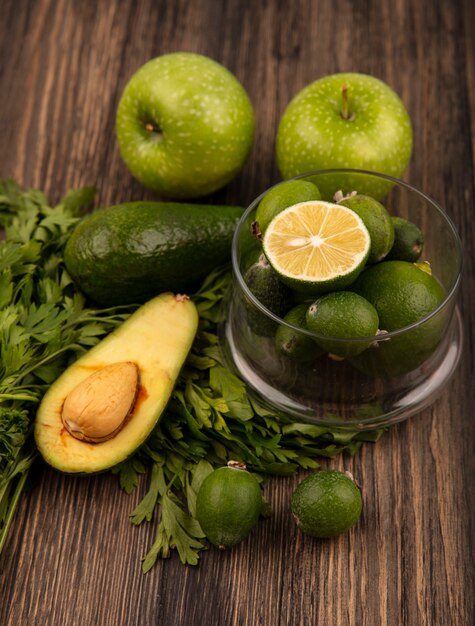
(401, 372)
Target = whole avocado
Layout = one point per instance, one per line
(130, 252)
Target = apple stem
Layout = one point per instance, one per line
(345, 112)
(153, 128)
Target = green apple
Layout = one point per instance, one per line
(345, 121)
(185, 125)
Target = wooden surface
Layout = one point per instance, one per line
(72, 557)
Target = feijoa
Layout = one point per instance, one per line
(228, 505)
(294, 344)
(408, 241)
(378, 222)
(341, 318)
(326, 503)
(271, 293)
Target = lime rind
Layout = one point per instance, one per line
(283, 195)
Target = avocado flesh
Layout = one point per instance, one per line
(157, 338)
(130, 252)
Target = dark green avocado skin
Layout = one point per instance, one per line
(130, 252)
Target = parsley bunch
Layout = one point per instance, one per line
(44, 322)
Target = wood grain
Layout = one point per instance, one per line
(73, 557)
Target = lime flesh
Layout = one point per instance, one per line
(317, 247)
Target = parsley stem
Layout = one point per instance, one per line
(12, 507)
(18, 396)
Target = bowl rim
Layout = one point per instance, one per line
(384, 336)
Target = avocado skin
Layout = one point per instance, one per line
(130, 252)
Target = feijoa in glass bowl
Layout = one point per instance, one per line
(346, 382)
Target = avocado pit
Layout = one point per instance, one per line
(98, 408)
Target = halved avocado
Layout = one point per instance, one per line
(106, 404)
